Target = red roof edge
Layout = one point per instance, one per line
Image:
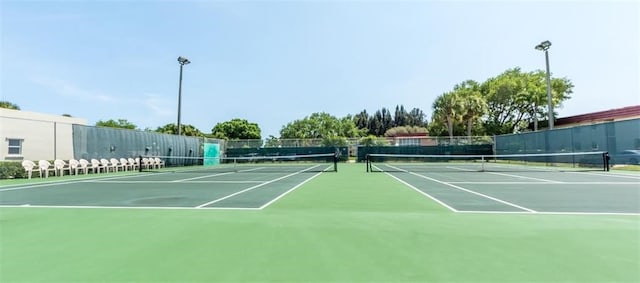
(612, 114)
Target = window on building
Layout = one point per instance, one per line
(409, 142)
(15, 146)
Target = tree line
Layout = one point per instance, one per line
(511, 102)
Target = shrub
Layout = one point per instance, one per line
(11, 170)
(373, 141)
(334, 141)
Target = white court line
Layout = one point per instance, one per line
(508, 175)
(42, 185)
(423, 193)
(169, 182)
(467, 190)
(89, 180)
(290, 190)
(461, 169)
(541, 183)
(524, 177)
(252, 169)
(52, 180)
(551, 213)
(201, 177)
(127, 207)
(254, 187)
(607, 174)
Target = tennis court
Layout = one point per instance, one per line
(306, 222)
(232, 187)
(534, 192)
(458, 187)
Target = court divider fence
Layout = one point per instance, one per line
(103, 142)
(613, 137)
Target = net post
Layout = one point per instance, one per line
(366, 162)
(335, 162)
(482, 160)
(140, 163)
(605, 159)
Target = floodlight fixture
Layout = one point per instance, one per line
(543, 46)
(183, 60)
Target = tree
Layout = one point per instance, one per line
(375, 124)
(514, 99)
(186, 130)
(120, 123)
(382, 120)
(472, 104)
(9, 105)
(349, 129)
(447, 108)
(387, 121)
(320, 125)
(334, 141)
(503, 104)
(416, 117)
(236, 129)
(362, 120)
(400, 117)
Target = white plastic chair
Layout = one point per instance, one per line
(152, 163)
(74, 165)
(106, 165)
(135, 163)
(44, 167)
(125, 164)
(159, 162)
(84, 165)
(145, 163)
(116, 165)
(28, 166)
(59, 166)
(96, 166)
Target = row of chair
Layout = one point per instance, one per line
(94, 165)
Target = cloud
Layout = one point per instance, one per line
(68, 89)
(159, 105)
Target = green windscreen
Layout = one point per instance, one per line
(211, 154)
(614, 137)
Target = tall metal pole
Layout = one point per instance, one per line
(182, 61)
(544, 46)
(549, 99)
(180, 97)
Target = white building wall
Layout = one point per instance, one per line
(43, 136)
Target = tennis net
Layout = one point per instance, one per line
(248, 164)
(580, 161)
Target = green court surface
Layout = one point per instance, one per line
(341, 226)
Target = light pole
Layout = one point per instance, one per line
(544, 46)
(182, 61)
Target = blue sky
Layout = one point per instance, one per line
(273, 62)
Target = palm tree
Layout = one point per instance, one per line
(447, 107)
(472, 104)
